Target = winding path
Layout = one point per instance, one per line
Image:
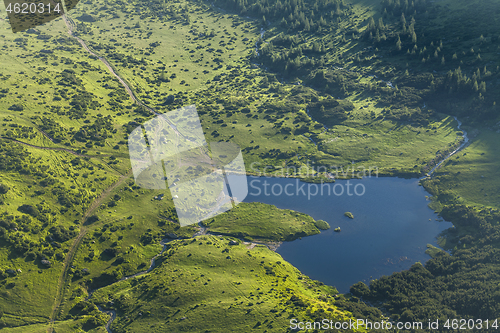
(71, 27)
(125, 85)
(83, 230)
(44, 148)
(72, 250)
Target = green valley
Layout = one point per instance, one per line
(306, 90)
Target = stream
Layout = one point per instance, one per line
(112, 313)
(464, 144)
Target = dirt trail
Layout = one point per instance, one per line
(44, 148)
(70, 27)
(72, 251)
(83, 229)
(106, 63)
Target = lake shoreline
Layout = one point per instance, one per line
(392, 220)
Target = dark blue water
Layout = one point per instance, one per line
(391, 228)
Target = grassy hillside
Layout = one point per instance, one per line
(262, 222)
(205, 284)
(70, 326)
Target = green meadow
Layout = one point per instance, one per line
(470, 177)
(262, 222)
(70, 326)
(162, 53)
(230, 287)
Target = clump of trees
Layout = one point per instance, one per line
(61, 234)
(20, 132)
(18, 230)
(81, 102)
(15, 158)
(330, 111)
(293, 15)
(16, 107)
(290, 56)
(107, 278)
(405, 30)
(52, 128)
(96, 133)
(4, 188)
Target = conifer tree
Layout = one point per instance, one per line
(475, 86)
(482, 87)
(371, 24)
(307, 26)
(381, 25)
(398, 44)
